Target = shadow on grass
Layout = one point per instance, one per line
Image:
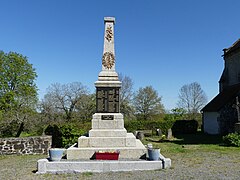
(198, 138)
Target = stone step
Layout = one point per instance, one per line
(44, 166)
(128, 141)
(125, 152)
(108, 133)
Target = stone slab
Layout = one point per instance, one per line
(45, 166)
(116, 123)
(128, 141)
(107, 80)
(85, 153)
(83, 141)
(107, 124)
(108, 133)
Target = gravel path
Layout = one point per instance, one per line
(198, 165)
(208, 166)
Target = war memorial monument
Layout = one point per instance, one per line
(108, 133)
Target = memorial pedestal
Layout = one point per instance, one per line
(107, 135)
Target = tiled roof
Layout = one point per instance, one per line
(222, 98)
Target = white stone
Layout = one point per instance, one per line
(108, 133)
(107, 141)
(100, 166)
(116, 123)
(95, 124)
(134, 152)
(41, 166)
(108, 124)
(109, 19)
(102, 141)
(83, 141)
(130, 140)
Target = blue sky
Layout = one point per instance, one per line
(165, 44)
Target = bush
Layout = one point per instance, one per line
(185, 127)
(232, 139)
(8, 129)
(70, 134)
(163, 124)
(66, 134)
(134, 125)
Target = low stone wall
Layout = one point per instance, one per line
(27, 145)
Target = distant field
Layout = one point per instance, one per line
(191, 159)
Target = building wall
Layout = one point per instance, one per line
(27, 145)
(231, 73)
(210, 122)
(228, 117)
(233, 65)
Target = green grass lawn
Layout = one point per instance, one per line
(190, 143)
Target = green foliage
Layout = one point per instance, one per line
(185, 127)
(164, 124)
(179, 113)
(133, 125)
(70, 134)
(7, 129)
(18, 92)
(66, 134)
(147, 102)
(17, 76)
(232, 139)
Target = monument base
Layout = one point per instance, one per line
(86, 153)
(44, 166)
(107, 134)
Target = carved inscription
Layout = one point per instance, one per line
(107, 117)
(108, 100)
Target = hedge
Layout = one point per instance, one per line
(185, 127)
(163, 124)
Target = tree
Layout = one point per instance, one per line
(126, 95)
(86, 106)
(18, 91)
(179, 113)
(147, 102)
(192, 98)
(63, 98)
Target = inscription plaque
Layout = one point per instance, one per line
(107, 117)
(107, 100)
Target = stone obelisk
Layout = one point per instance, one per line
(108, 132)
(108, 85)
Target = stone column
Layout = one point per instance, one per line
(108, 85)
(108, 72)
